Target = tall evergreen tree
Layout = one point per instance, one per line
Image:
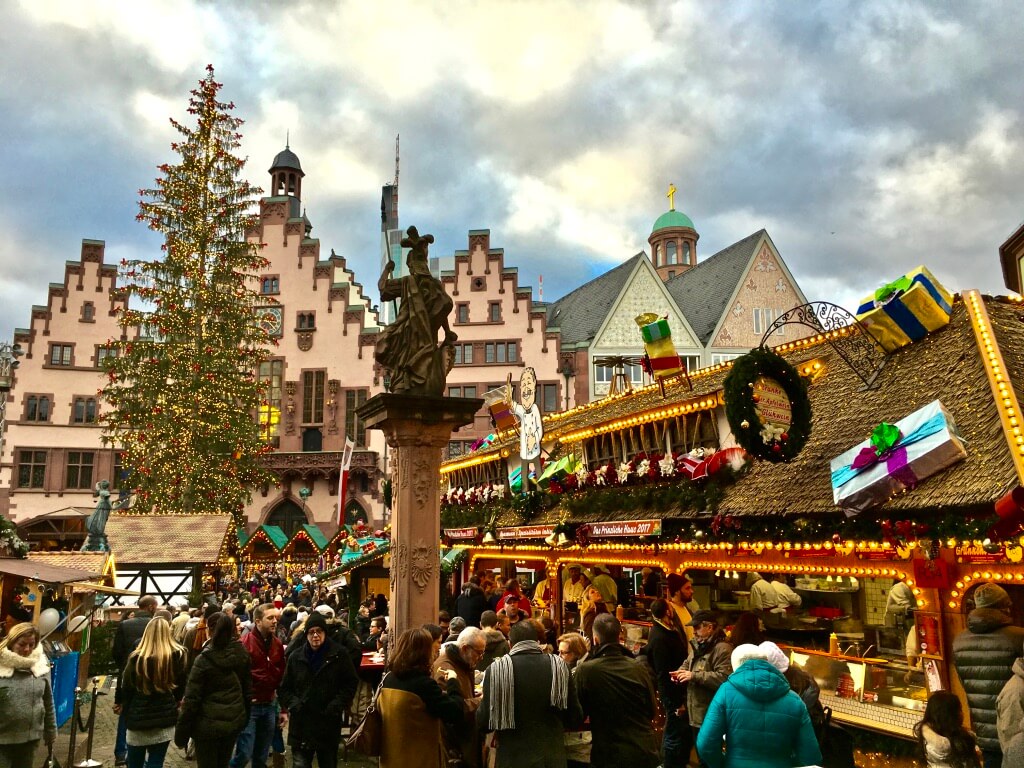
(183, 393)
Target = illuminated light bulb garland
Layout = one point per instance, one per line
(183, 396)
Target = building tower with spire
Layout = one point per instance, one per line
(286, 177)
(673, 241)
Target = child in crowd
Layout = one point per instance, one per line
(941, 735)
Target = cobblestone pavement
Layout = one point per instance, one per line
(105, 732)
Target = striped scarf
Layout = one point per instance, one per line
(501, 686)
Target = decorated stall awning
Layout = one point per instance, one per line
(307, 541)
(354, 553)
(973, 366)
(265, 541)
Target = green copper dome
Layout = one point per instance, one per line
(672, 219)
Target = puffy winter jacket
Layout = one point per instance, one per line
(26, 701)
(470, 603)
(218, 696)
(984, 656)
(764, 723)
(1010, 707)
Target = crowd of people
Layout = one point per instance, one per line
(235, 682)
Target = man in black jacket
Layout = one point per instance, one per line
(666, 650)
(618, 695)
(319, 684)
(128, 634)
(471, 602)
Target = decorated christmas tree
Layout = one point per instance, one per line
(182, 393)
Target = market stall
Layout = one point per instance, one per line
(907, 479)
(168, 556)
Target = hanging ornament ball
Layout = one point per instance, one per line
(745, 424)
(757, 398)
(837, 539)
(776, 448)
(698, 534)
(784, 436)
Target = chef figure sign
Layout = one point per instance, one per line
(531, 430)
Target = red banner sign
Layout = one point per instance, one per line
(460, 533)
(969, 553)
(626, 528)
(877, 554)
(526, 532)
(795, 554)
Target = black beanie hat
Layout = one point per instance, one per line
(315, 620)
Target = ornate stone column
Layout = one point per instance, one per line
(417, 429)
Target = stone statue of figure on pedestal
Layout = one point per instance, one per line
(96, 523)
(409, 348)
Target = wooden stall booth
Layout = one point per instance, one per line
(889, 485)
(168, 556)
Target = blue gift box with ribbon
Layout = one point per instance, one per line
(896, 458)
(906, 310)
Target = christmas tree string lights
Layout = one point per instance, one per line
(181, 386)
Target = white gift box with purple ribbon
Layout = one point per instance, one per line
(873, 472)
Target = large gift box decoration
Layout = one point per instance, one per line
(663, 359)
(500, 410)
(906, 310)
(896, 458)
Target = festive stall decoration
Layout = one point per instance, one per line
(11, 544)
(500, 409)
(896, 458)
(662, 361)
(767, 406)
(906, 310)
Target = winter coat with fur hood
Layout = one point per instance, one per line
(26, 701)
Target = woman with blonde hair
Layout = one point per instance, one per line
(26, 701)
(148, 692)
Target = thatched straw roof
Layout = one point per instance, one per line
(946, 365)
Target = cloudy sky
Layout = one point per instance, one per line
(866, 137)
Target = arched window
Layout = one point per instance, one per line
(686, 253)
(288, 516)
(657, 255)
(291, 183)
(354, 512)
(670, 252)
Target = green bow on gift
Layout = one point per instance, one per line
(884, 437)
(891, 289)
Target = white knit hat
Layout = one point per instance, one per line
(745, 652)
(775, 656)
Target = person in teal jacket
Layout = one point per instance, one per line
(764, 723)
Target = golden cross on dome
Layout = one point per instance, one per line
(671, 196)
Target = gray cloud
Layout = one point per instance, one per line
(866, 137)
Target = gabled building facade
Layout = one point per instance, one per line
(321, 370)
(717, 309)
(52, 452)
(501, 331)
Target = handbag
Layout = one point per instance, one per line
(367, 738)
(50, 761)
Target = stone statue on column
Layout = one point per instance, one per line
(96, 523)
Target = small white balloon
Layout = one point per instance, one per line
(48, 621)
(77, 624)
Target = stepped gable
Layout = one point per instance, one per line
(579, 314)
(703, 292)
(61, 296)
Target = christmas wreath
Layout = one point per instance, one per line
(766, 441)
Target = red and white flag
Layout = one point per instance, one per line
(346, 462)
